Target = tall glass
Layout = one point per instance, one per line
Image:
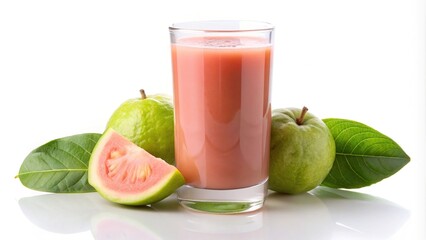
(222, 79)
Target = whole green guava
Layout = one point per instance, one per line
(147, 121)
(302, 151)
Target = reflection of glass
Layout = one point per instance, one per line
(114, 226)
(320, 214)
(244, 226)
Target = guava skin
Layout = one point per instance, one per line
(301, 155)
(149, 123)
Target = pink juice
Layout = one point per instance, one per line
(222, 110)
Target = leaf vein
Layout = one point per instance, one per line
(343, 132)
(354, 171)
(54, 171)
(78, 145)
(72, 155)
(365, 155)
(340, 171)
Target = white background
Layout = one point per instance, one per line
(66, 65)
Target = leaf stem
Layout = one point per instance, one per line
(300, 119)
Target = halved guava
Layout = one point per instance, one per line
(124, 173)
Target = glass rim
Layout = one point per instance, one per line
(221, 26)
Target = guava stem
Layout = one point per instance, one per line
(300, 119)
(143, 95)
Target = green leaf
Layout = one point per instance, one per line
(363, 155)
(60, 166)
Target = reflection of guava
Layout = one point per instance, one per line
(302, 216)
(112, 226)
(121, 222)
(61, 213)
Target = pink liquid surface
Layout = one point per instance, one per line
(222, 111)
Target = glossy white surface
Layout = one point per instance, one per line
(66, 65)
(321, 214)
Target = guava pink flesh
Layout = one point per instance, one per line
(125, 167)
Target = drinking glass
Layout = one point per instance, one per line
(221, 84)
